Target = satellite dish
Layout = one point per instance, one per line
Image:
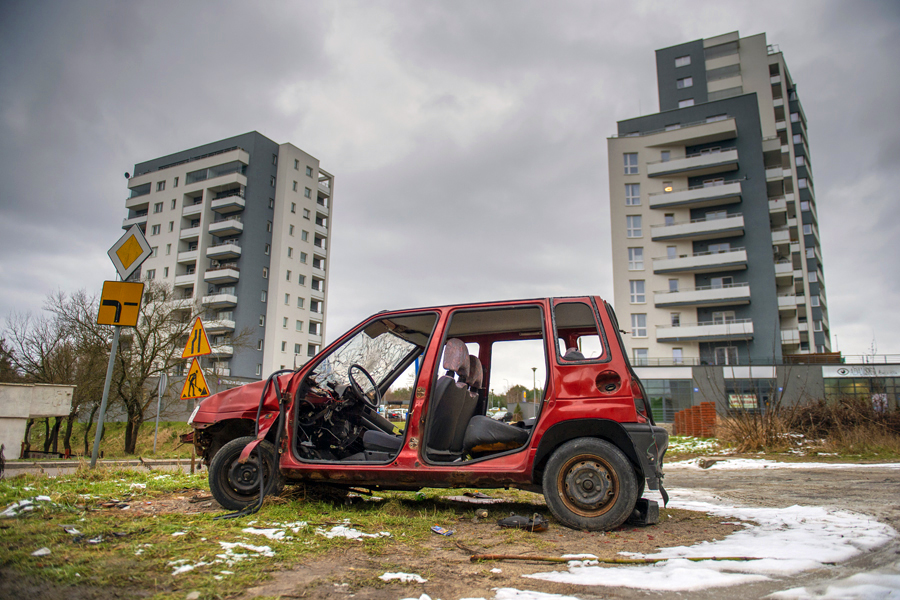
(127, 175)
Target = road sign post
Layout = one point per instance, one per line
(163, 382)
(120, 305)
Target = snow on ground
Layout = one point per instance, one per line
(691, 444)
(786, 540)
(745, 464)
(881, 584)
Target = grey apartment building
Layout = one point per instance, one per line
(716, 251)
(240, 228)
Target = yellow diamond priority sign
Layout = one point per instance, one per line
(129, 252)
(198, 343)
(194, 384)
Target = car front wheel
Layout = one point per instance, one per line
(590, 485)
(236, 486)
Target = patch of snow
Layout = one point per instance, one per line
(733, 464)
(514, 594)
(349, 533)
(786, 541)
(496, 570)
(178, 533)
(883, 584)
(403, 577)
(272, 534)
(140, 486)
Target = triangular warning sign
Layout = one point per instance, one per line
(198, 343)
(194, 384)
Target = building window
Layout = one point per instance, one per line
(671, 252)
(633, 226)
(299, 326)
(636, 287)
(673, 285)
(669, 219)
(294, 188)
(631, 163)
(259, 370)
(640, 356)
(174, 203)
(168, 249)
(309, 171)
(264, 296)
(299, 302)
(686, 103)
(813, 277)
(151, 273)
(272, 181)
(719, 248)
(678, 356)
(284, 346)
(301, 279)
(296, 348)
(153, 251)
(803, 183)
(817, 325)
(171, 226)
(296, 165)
(800, 161)
(312, 349)
(271, 202)
(684, 82)
(807, 229)
(795, 117)
(269, 226)
(158, 207)
(262, 320)
(722, 317)
(314, 328)
(804, 205)
(267, 249)
(632, 194)
(639, 325)
(290, 252)
(284, 323)
(664, 156)
(635, 259)
(265, 272)
(160, 186)
(294, 206)
(259, 345)
(288, 276)
(274, 159)
(682, 61)
(307, 192)
(290, 230)
(675, 319)
(814, 301)
(315, 306)
(305, 213)
(303, 257)
(726, 355)
(798, 138)
(721, 282)
(810, 253)
(287, 298)
(154, 230)
(304, 235)
(175, 184)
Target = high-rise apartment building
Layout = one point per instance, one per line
(241, 227)
(716, 254)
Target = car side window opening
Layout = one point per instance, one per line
(510, 358)
(576, 332)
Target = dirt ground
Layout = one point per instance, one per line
(444, 561)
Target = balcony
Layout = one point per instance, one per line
(228, 273)
(188, 279)
(695, 165)
(790, 337)
(228, 226)
(224, 250)
(192, 209)
(698, 196)
(138, 203)
(780, 125)
(706, 131)
(782, 235)
(219, 325)
(317, 294)
(188, 257)
(703, 262)
(789, 303)
(220, 300)
(700, 229)
(220, 350)
(784, 272)
(324, 187)
(139, 219)
(228, 204)
(191, 233)
(735, 294)
(739, 329)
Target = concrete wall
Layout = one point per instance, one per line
(20, 402)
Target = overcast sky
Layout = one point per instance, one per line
(468, 138)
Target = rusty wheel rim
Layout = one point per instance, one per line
(588, 485)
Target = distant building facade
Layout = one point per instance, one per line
(241, 228)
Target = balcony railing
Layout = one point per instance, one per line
(726, 295)
(700, 229)
(704, 163)
(698, 196)
(738, 329)
(734, 259)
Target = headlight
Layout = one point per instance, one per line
(193, 414)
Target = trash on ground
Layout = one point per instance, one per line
(481, 513)
(442, 531)
(23, 506)
(42, 552)
(535, 523)
(476, 494)
(403, 577)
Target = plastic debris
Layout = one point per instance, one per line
(535, 523)
(442, 531)
(42, 552)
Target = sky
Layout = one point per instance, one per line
(468, 139)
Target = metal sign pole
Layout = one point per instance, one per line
(109, 373)
(163, 382)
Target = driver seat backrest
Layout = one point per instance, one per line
(449, 398)
(474, 380)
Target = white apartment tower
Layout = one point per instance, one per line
(242, 228)
(716, 251)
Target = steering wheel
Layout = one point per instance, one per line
(359, 391)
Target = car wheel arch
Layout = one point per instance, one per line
(564, 431)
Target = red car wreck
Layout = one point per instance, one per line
(590, 448)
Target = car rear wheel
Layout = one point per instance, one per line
(236, 486)
(590, 485)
